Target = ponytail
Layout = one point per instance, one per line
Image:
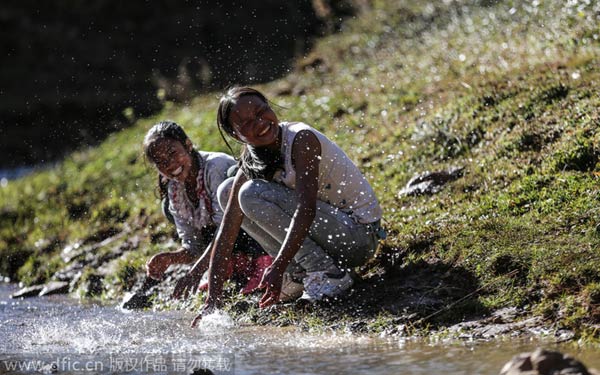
(163, 190)
(260, 163)
(163, 187)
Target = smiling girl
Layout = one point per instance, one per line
(300, 196)
(188, 182)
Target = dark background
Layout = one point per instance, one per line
(70, 68)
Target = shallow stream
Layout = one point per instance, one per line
(58, 334)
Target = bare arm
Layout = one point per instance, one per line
(158, 264)
(201, 264)
(223, 246)
(306, 154)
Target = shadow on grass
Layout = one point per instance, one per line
(420, 295)
(428, 293)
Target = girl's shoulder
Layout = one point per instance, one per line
(291, 129)
(295, 126)
(216, 167)
(218, 160)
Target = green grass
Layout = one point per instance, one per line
(507, 90)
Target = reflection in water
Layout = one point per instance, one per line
(58, 324)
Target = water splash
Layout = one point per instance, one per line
(216, 323)
(62, 325)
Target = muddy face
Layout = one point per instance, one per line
(172, 159)
(254, 122)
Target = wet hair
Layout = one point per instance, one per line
(255, 162)
(158, 132)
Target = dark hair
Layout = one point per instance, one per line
(255, 162)
(160, 131)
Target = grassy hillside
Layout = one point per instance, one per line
(507, 90)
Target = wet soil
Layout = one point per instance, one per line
(388, 297)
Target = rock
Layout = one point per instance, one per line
(430, 182)
(493, 330)
(30, 291)
(77, 251)
(68, 273)
(55, 287)
(201, 371)
(563, 335)
(50, 368)
(544, 362)
(74, 281)
(92, 285)
(142, 297)
(505, 315)
(134, 301)
(72, 251)
(489, 328)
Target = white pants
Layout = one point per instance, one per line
(334, 237)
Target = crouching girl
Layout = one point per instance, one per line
(300, 196)
(188, 182)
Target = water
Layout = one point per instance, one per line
(60, 330)
(14, 173)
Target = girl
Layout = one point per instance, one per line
(300, 196)
(188, 182)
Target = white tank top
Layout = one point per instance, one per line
(341, 184)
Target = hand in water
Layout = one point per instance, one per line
(208, 308)
(157, 265)
(187, 284)
(271, 281)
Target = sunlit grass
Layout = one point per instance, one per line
(507, 90)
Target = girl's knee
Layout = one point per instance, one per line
(223, 192)
(252, 189)
(251, 195)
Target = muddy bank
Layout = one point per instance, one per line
(389, 298)
(525, 132)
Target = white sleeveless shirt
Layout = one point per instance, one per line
(341, 184)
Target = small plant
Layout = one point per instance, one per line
(581, 156)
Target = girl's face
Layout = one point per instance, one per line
(173, 159)
(254, 122)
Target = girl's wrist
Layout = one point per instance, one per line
(212, 300)
(280, 264)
